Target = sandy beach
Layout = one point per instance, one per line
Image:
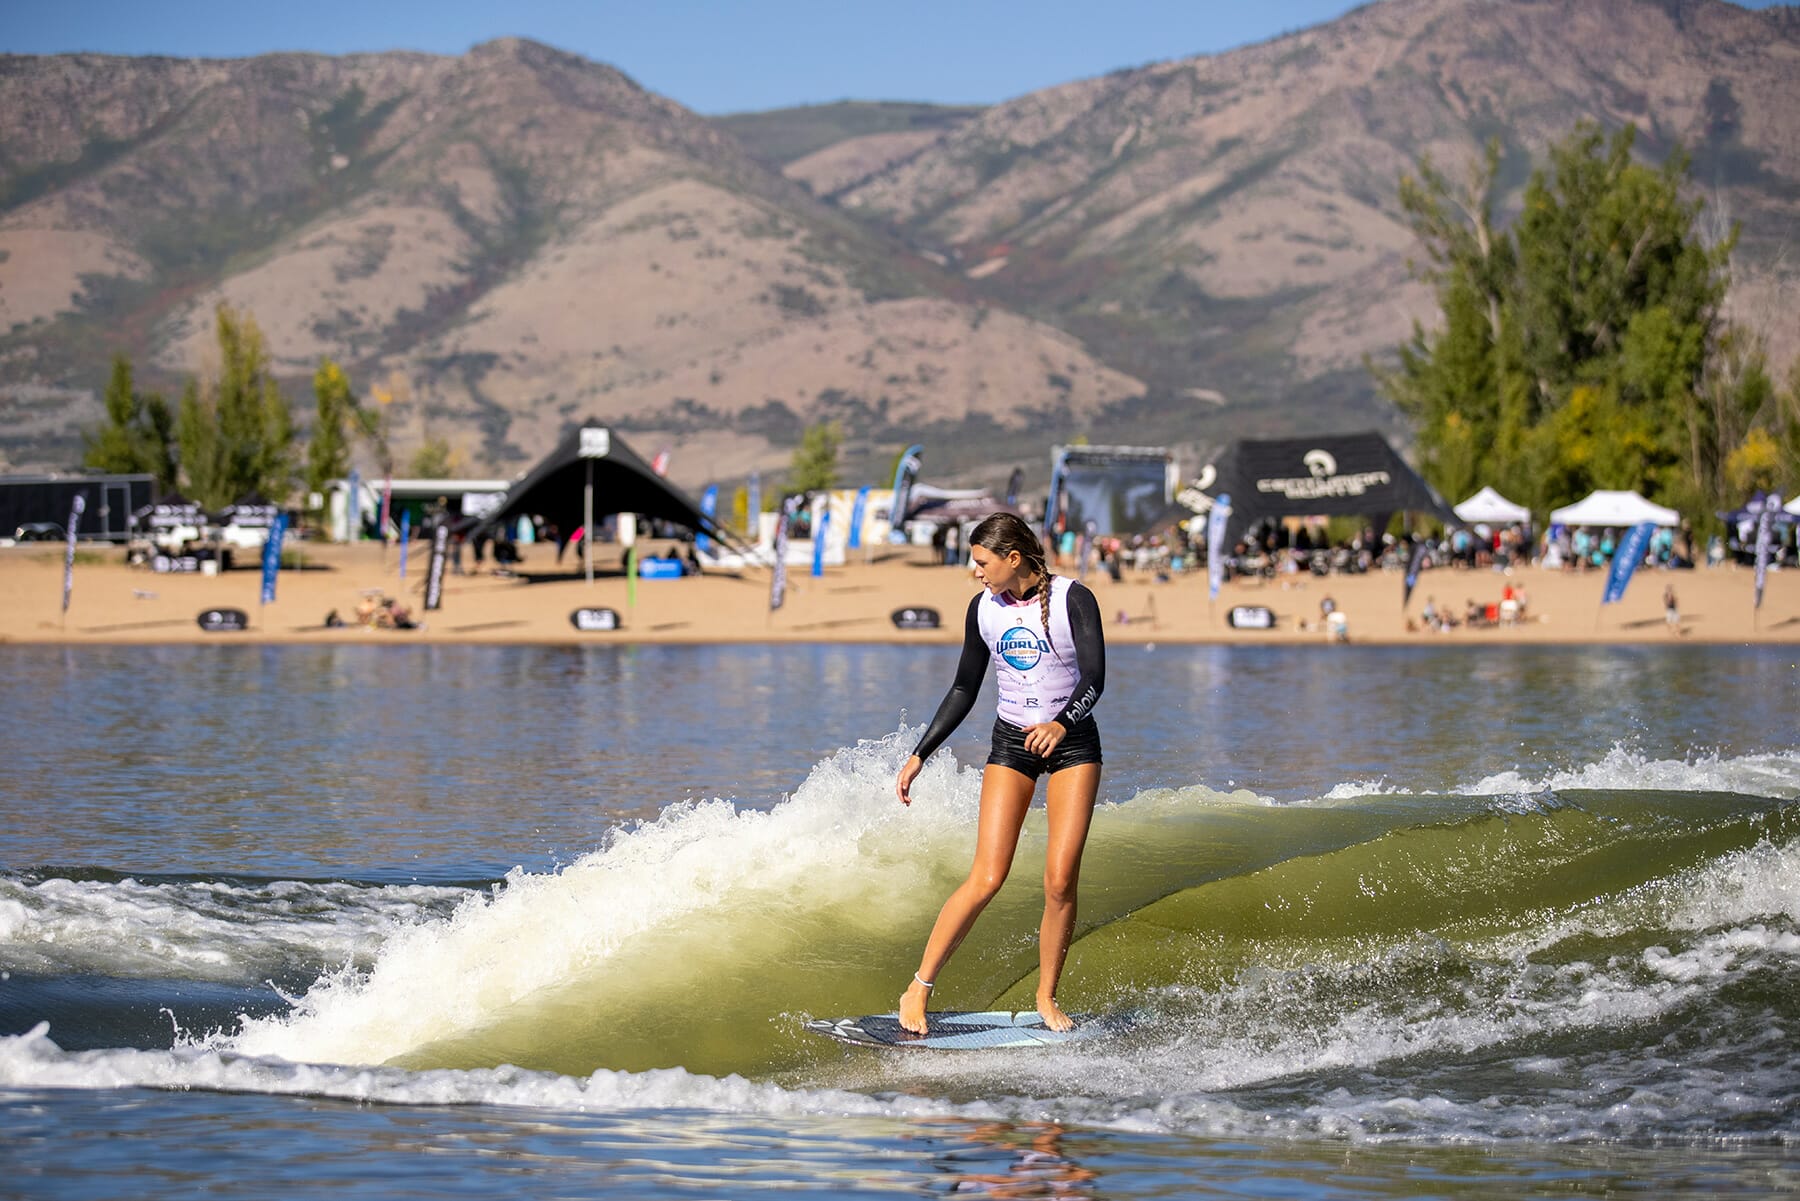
(115, 603)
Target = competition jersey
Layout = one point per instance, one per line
(1036, 675)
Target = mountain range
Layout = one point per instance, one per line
(505, 242)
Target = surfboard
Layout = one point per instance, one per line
(957, 1031)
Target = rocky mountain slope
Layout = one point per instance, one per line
(516, 238)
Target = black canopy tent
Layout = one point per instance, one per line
(593, 473)
(1330, 475)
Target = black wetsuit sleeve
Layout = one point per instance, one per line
(1090, 655)
(964, 689)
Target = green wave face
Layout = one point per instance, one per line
(705, 939)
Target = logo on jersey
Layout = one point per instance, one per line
(1021, 647)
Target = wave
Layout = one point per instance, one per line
(1254, 943)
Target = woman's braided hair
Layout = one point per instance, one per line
(1004, 533)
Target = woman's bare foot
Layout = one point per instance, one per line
(912, 1007)
(1054, 1017)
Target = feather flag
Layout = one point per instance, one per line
(1215, 545)
(75, 511)
(1765, 541)
(1626, 559)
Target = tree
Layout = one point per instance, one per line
(328, 453)
(434, 460)
(1574, 347)
(235, 430)
(814, 467)
(139, 433)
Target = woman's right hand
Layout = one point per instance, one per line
(909, 771)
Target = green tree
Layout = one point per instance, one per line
(814, 466)
(434, 460)
(328, 451)
(1574, 348)
(138, 435)
(235, 430)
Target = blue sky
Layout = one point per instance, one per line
(715, 57)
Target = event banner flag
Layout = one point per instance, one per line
(75, 512)
(1413, 567)
(387, 504)
(434, 572)
(778, 582)
(903, 482)
(753, 507)
(1765, 541)
(1215, 545)
(819, 533)
(405, 540)
(857, 513)
(271, 563)
(353, 508)
(1626, 559)
(709, 505)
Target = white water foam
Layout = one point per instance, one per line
(840, 835)
(1775, 775)
(225, 933)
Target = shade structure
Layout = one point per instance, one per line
(946, 505)
(1332, 475)
(1603, 507)
(1793, 506)
(556, 489)
(1489, 505)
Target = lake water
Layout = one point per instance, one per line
(439, 921)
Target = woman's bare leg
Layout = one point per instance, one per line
(1005, 796)
(1070, 801)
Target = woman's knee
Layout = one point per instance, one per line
(985, 883)
(1059, 887)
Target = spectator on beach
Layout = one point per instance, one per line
(1671, 610)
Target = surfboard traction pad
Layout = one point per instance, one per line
(956, 1031)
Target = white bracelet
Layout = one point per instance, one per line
(926, 984)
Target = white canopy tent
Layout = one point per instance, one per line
(1489, 505)
(1614, 509)
(1793, 506)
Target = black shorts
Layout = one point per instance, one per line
(1080, 745)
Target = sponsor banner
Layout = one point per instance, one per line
(434, 571)
(709, 507)
(917, 617)
(857, 512)
(754, 502)
(405, 541)
(271, 560)
(223, 621)
(1251, 617)
(818, 540)
(778, 582)
(76, 509)
(1765, 541)
(353, 509)
(1216, 521)
(1626, 559)
(903, 482)
(1414, 566)
(593, 621)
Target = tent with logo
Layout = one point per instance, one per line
(1489, 506)
(1328, 475)
(1613, 508)
(592, 460)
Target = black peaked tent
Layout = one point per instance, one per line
(1331, 475)
(592, 454)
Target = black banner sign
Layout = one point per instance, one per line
(224, 621)
(595, 620)
(917, 618)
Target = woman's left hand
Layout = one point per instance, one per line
(1043, 738)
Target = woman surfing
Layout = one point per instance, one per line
(1043, 635)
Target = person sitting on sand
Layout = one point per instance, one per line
(1043, 636)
